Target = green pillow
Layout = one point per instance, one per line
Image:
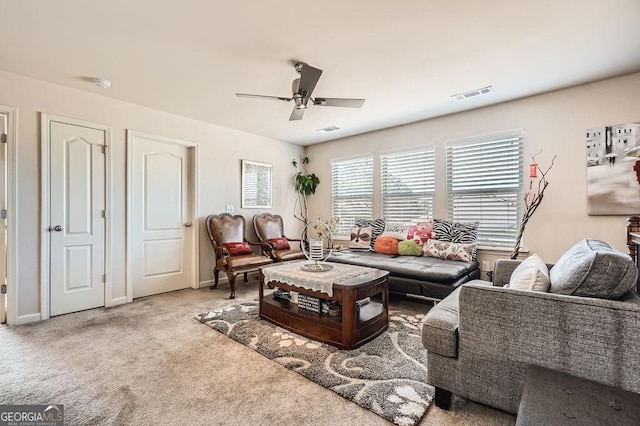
(409, 248)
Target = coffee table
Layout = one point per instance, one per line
(353, 329)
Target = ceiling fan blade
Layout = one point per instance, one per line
(275, 98)
(297, 114)
(309, 77)
(339, 102)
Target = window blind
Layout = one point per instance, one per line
(484, 183)
(351, 191)
(407, 184)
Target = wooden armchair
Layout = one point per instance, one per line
(226, 233)
(269, 227)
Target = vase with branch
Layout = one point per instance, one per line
(532, 198)
(305, 184)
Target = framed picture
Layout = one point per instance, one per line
(613, 169)
(256, 185)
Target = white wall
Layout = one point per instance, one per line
(555, 123)
(221, 150)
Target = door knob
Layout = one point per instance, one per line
(188, 224)
(56, 228)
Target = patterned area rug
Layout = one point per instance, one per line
(387, 375)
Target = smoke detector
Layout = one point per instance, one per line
(102, 83)
(472, 93)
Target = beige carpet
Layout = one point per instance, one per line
(150, 363)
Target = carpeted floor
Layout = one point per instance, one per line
(386, 375)
(150, 363)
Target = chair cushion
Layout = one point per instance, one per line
(531, 274)
(244, 261)
(592, 268)
(289, 254)
(280, 243)
(237, 248)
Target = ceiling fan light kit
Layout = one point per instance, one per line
(302, 88)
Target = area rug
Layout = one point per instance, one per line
(387, 375)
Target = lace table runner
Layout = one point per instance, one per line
(290, 273)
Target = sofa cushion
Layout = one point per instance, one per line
(440, 326)
(531, 274)
(376, 225)
(409, 248)
(399, 232)
(592, 268)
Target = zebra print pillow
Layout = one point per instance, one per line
(376, 225)
(455, 232)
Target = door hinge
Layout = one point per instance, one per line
(3, 289)
(3, 138)
(104, 278)
(3, 213)
(104, 149)
(104, 214)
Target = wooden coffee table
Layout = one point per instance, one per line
(354, 328)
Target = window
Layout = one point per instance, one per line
(407, 184)
(484, 183)
(351, 190)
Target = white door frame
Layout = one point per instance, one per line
(193, 207)
(12, 212)
(45, 202)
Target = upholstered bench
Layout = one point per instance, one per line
(554, 398)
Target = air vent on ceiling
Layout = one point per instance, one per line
(328, 129)
(472, 93)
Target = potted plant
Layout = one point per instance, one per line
(305, 184)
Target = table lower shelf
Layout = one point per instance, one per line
(371, 320)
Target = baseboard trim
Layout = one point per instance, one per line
(26, 319)
(118, 301)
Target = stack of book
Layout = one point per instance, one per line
(281, 294)
(332, 308)
(309, 303)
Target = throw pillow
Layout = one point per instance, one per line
(421, 232)
(360, 238)
(280, 243)
(455, 232)
(409, 248)
(531, 274)
(448, 250)
(399, 232)
(376, 225)
(592, 268)
(386, 245)
(235, 249)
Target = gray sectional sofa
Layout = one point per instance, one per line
(428, 277)
(482, 338)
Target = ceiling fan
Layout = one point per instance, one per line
(302, 89)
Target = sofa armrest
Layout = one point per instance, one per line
(592, 338)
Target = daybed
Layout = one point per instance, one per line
(429, 277)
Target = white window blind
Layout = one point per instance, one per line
(484, 183)
(351, 191)
(407, 183)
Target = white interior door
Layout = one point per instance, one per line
(3, 219)
(162, 233)
(77, 217)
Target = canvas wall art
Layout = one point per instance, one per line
(613, 170)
